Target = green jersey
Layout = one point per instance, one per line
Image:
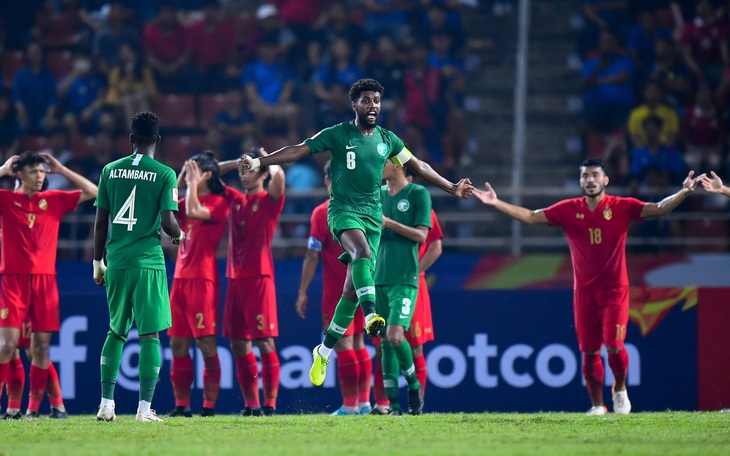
(356, 166)
(135, 190)
(397, 255)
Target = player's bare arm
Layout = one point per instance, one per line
(462, 189)
(669, 203)
(309, 267)
(714, 184)
(489, 197)
(101, 228)
(414, 233)
(7, 168)
(277, 184)
(181, 175)
(433, 252)
(171, 227)
(193, 177)
(286, 154)
(88, 188)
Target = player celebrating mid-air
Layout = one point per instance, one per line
(249, 312)
(596, 226)
(354, 365)
(139, 194)
(359, 150)
(30, 218)
(195, 293)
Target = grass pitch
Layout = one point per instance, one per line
(669, 433)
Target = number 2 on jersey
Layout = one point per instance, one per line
(125, 216)
(351, 160)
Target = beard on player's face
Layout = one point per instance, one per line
(593, 189)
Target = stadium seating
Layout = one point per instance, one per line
(62, 30)
(176, 111)
(10, 63)
(83, 146)
(210, 105)
(33, 143)
(178, 148)
(60, 63)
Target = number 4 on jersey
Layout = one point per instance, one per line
(125, 216)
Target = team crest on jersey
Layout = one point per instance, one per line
(403, 205)
(43, 204)
(607, 214)
(4, 313)
(17, 203)
(255, 206)
(382, 150)
(580, 216)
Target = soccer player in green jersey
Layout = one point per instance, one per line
(358, 151)
(139, 194)
(406, 221)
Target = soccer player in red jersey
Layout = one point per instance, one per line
(195, 293)
(596, 226)
(354, 365)
(30, 219)
(250, 307)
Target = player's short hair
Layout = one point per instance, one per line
(145, 128)
(365, 85)
(594, 163)
(28, 158)
(206, 162)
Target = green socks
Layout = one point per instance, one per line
(341, 320)
(394, 358)
(404, 354)
(111, 358)
(362, 280)
(149, 367)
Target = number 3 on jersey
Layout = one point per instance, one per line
(125, 216)
(351, 160)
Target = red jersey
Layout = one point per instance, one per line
(333, 270)
(253, 223)
(165, 46)
(196, 256)
(434, 234)
(212, 46)
(703, 129)
(597, 239)
(30, 229)
(704, 39)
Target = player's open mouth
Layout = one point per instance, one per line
(371, 116)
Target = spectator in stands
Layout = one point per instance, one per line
(58, 146)
(705, 44)
(108, 41)
(386, 67)
(82, 93)
(608, 82)
(167, 49)
(105, 152)
(34, 93)
(653, 106)
(214, 50)
(642, 42)
(18, 18)
(336, 110)
(9, 127)
(672, 75)
(335, 22)
(387, 17)
(132, 86)
(269, 86)
(233, 123)
(270, 29)
(438, 17)
(602, 16)
(665, 158)
(301, 15)
(341, 68)
(704, 132)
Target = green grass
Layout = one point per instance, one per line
(561, 434)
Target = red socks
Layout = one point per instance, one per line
(381, 398)
(211, 381)
(247, 371)
(54, 386)
(270, 369)
(365, 374)
(15, 382)
(182, 376)
(421, 372)
(593, 373)
(348, 373)
(619, 363)
(38, 382)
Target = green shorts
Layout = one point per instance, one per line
(396, 303)
(139, 294)
(353, 221)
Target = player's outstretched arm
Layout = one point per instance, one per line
(669, 203)
(101, 228)
(286, 154)
(88, 188)
(7, 168)
(489, 197)
(171, 227)
(461, 189)
(309, 267)
(714, 184)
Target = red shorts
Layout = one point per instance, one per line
(421, 330)
(601, 316)
(250, 309)
(30, 298)
(194, 305)
(328, 311)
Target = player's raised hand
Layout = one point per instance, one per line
(7, 168)
(712, 184)
(691, 182)
(464, 188)
(193, 176)
(53, 164)
(301, 305)
(487, 196)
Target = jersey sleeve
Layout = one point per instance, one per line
(322, 141)
(422, 210)
(218, 208)
(70, 200)
(435, 233)
(168, 199)
(556, 213)
(396, 145)
(102, 197)
(318, 227)
(634, 208)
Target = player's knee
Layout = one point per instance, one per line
(361, 252)
(618, 346)
(7, 348)
(417, 350)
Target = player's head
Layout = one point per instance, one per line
(365, 95)
(391, 170)
(593, 178)
(209, 167)
(145, 129)
(254, 180)
(327, 181)
(30, 170)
